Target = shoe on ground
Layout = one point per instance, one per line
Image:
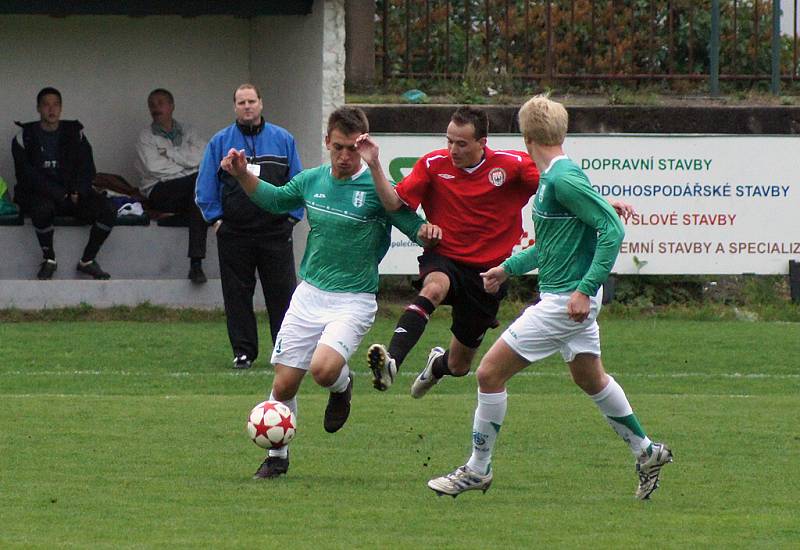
(272, 467)
(382, 366)
(338, 409)
(46, 270)
(196, 275)
(426, 380)
(460, 480)
(241, 362)
(93, 269)
(648, 467)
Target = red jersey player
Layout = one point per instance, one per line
(476, 196)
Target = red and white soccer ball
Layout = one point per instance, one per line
(271, 425)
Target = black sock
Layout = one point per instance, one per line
(440, 367)
(97, 235)
(410, 328)
(46, 244)
(196, 262)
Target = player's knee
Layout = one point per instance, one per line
(283, 391)
(323, 376)
(434, 294)
(435, 290)
(459, 367)
(489, 377)
(589, 382)
(588, 373)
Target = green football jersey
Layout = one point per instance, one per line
(350, 230)
(578, 233)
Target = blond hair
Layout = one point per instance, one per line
(543, 121)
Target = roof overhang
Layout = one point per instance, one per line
(243, 8)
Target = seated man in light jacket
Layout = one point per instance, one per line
(168, 159)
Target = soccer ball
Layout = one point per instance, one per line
(271, 425)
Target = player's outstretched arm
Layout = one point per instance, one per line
(522, 262)
(518, 264)
(278, 200)
(415, 227)
(369, 151)
(235, 163)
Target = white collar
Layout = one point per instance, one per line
(473, 168)
(553, 161)
(354, 176)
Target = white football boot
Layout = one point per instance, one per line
(649, 468)
(460, 480)
(426, 380)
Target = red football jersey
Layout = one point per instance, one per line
(480, 210)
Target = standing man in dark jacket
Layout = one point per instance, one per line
(55, 169)
(249, 239)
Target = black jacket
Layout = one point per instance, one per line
(75, 162)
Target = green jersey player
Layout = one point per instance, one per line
(578, 236)
(334, 306)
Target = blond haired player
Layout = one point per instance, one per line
(578, 236)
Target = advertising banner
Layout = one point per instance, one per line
(706, 204)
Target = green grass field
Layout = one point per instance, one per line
(131, 434)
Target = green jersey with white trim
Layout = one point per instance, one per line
(350, 230)
(578, 233)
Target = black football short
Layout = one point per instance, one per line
(474, 309)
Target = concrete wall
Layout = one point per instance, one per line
(601, 119)
(289, 75)
(147, 264)
(105, 66)
(301, 80)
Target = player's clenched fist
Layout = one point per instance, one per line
(429, 234)
(235, 163)
(578, 307)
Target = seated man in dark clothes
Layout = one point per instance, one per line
(55, 168)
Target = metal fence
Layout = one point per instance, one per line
(583, 40)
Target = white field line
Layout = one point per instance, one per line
(406, 374)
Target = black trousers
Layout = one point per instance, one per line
(91, 208)
(177, 195)
(240, 257)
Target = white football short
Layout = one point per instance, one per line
(545, 328)
(337, 319)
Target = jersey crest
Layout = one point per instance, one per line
(358, 198)
(497, 177)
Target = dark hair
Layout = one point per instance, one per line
(247, 86)
(348, 120)
(47, 91)
(468, 114)
(162, 91)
